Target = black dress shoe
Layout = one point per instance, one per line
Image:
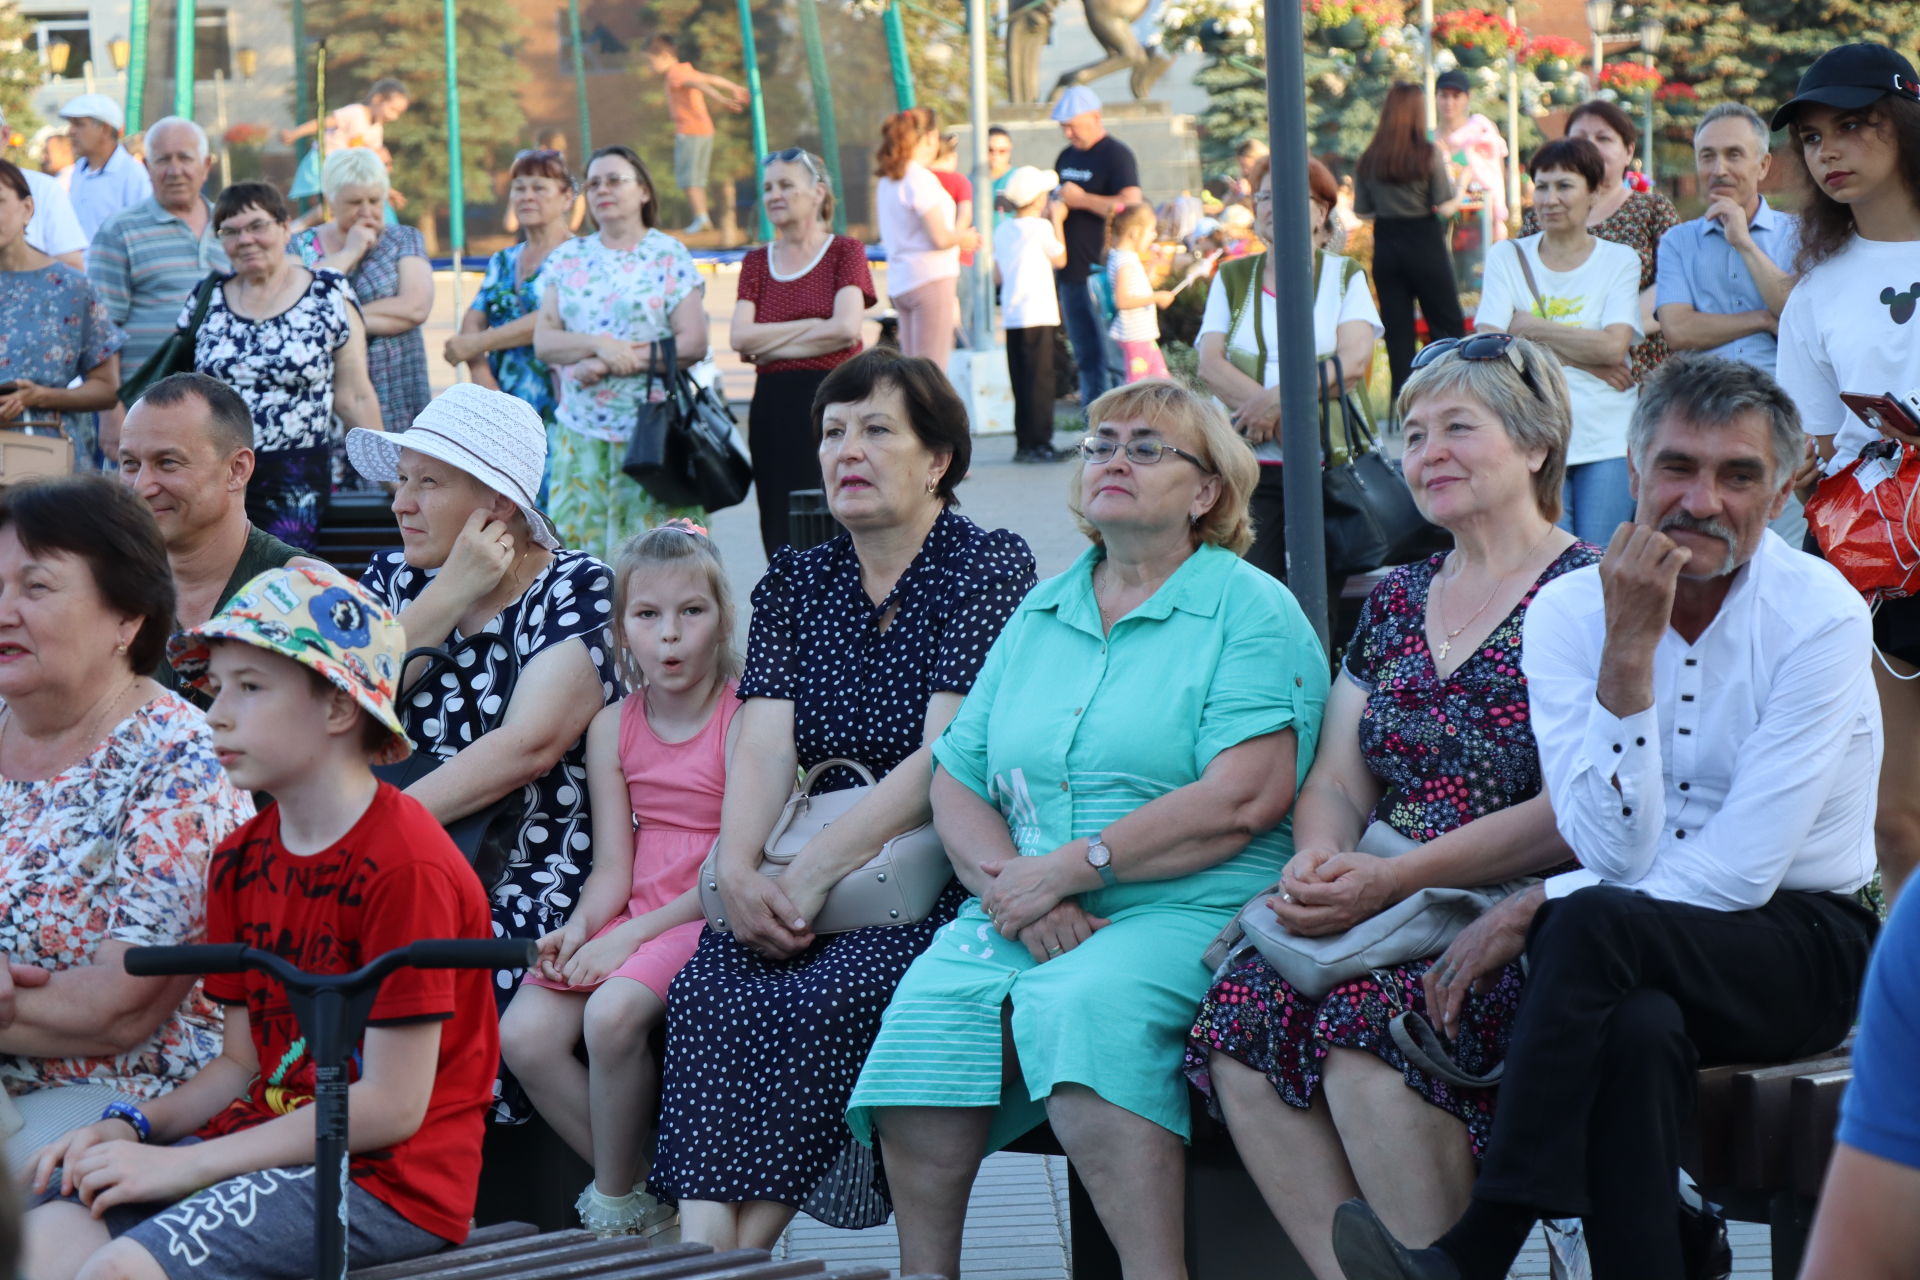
(1368, 1251)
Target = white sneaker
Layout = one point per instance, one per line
(698, 225)
(634, 1214)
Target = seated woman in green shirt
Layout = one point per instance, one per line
(1115, 786)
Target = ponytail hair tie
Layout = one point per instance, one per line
(685, 526)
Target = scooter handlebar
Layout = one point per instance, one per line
(473, 953)
(154, 962)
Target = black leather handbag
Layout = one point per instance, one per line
(1369, 513)
(486, 836)
(175, 352)
(684, 449)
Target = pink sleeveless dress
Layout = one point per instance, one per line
(675, 789)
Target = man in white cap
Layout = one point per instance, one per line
(1098, 174)
(52, 229)
(105, 178)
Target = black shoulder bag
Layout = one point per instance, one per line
(1370, 516)
(684, 449)
(175, 353)
(486, 836)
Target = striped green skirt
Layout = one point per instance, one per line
(1111, 1015)
(593, 503)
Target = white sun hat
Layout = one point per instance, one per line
(496, 438)
(1027, 184)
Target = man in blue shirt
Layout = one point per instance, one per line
(105, 178)
(1725, 276)
(1869, 1222)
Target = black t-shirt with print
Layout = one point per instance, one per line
(1104, 169)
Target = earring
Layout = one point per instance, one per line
(120, 650)
(932, 487)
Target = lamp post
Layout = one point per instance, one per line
(1427, 76)
(1652, 32)
(1599, 18)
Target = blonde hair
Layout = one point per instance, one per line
(671, 546)
(1160, 402)
(1537, 416)
(1126, 220)
(352, 167)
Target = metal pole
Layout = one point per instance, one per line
(1513, 123)
(580, 77)
(823, 108)
(1427, 75)
(456, 177)
(1293, 279)
(183, 34)
(1599, 60)
(300, 111)
(320, 129)
(220, 124)
(897, 57)
(1646, 135)
(759, 112)
(136, 64)
(981, 339)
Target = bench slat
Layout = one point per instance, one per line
(477, 1250)
(1815, 1113)
(717, 1269)
(631, 1258)
(1762, 1106)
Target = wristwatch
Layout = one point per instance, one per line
(132, 1115)
(1100, 858)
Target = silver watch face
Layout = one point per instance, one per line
(1098, 854)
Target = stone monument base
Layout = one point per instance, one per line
(981, 379)
(1164, 145)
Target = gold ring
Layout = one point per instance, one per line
(1053, 951)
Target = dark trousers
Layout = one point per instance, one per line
(1088, 336)
(1268, 553)
(1030, 370)
(785, 454)
(1626, 998)
(1411, 264)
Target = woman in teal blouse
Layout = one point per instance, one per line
(1114, 788)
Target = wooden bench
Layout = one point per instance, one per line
(354, 528)
(517, 1251)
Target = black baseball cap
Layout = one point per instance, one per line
(1850, 77)
(1456, 80)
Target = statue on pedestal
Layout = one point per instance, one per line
(1111, 22)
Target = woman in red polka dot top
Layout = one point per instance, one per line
(802, 301)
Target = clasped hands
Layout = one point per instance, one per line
(1032, 900)
(1327, 891)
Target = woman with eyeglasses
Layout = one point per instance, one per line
(1425, 753)
(605, 300)
(802, 300)
(1579, 297)
(53, 330)
(292, 342)
(499, 325)
(920, 230)
(1112, 791)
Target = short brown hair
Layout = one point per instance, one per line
(242, 196)
(1156, 401)
(1612, 116)
(934, 410)
(545, 162)
(106, 524)
(1570, 155)
(14, 180)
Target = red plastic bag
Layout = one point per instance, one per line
(1866, 518)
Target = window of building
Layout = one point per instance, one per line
(64, 44)
(212, 50)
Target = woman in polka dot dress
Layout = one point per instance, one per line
(802, 300)
(860, 648)
(481, 574)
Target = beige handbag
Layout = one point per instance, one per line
(899, 885)
(28, 454)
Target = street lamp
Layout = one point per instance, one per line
(1599, 18)
(1652, 32)
(119, 49)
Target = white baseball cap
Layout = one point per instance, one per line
(496, 438)
(1027, 184)
(96, 106)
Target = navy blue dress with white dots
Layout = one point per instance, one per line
(761, 1057)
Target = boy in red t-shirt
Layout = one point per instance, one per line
(692, 126)
(216, 1179)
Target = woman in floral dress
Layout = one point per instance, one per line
(605, 300)
(1426, 734)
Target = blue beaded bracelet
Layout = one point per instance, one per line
(132, 1115)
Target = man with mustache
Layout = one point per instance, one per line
(1708, 732)
(1724, 277)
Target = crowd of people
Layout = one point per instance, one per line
(1657, 739)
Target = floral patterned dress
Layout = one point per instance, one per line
(1447, 751)
(1638, 224)
(504, 298)
(54, 328)
(282, 367)
(396, 362)
(631, 294)
(115, 849)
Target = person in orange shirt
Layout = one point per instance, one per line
(692, 126)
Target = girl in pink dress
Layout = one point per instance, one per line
(656, 761)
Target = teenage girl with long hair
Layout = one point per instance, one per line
(919, 229)
(1848, 326)
(1403, 187)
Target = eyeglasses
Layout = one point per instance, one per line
(794, 155)
(610, 181)
(253, 228)
(1481, 346)
(1145, 451)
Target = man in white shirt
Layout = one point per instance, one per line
(105, 178)
(1704, 707)
(52, 229)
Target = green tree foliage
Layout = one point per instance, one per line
(19, 73)
(1754, 52)
(370, 39)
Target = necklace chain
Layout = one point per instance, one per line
(1446, 646)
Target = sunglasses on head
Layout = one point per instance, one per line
(1480, 346)
(793, 155)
